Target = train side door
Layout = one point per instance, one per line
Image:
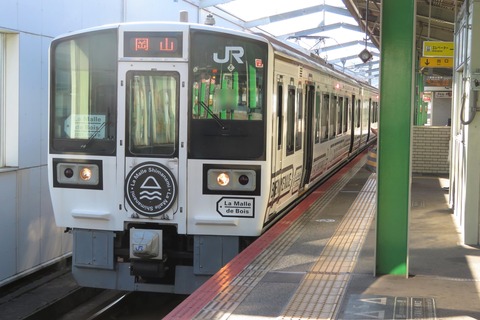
(278, 149)
(369, 123)
(152, 171)
(352, 124)
(308, 134)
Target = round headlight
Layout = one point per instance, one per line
(85, 174)
(68, 172)
(223, 179)
(243, 180)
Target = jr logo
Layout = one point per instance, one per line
(235, 52)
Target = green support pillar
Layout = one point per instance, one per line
(396, 100)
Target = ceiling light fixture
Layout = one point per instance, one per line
(210, 20)
(365, 55)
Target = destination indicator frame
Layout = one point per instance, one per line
(153, 44)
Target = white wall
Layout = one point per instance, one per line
(430, 149)
(441, 110)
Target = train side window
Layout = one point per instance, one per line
(299, 122)
(333, 113)
(339, 115)
(345, 115)
(324, 117)
(369, 111)
(290, 120)
(365, 114)
(279, 115)
(357, 113)
(317, 116)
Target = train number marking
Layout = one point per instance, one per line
(150, 189)
(236, 52)
(236, 207)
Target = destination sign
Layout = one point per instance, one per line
(153, 44)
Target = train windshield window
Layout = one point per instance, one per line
(83, 97)
(227, 106)
(152, 99)
(228, 77)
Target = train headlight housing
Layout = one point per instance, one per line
(223, 179)
(68, 173)
(231, 179)
(77, 174)
(85, 174)
(243, 180)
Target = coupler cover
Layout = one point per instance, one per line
(146, 244)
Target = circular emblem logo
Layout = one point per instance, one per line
(150, 189)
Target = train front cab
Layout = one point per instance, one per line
(152, 127)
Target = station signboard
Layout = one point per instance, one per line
(437, 49)
(439, 62)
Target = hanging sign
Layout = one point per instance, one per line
(432, 62)
(437, 49)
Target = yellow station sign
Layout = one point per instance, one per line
(429, 62)
(437, 49)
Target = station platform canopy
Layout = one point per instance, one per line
(345, 33)
(325, 28)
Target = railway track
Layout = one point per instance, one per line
(139, 305)
(53, 294)
(50, 293)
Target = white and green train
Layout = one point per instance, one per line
(173, 145)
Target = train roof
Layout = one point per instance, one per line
(309, 58)
(142, 25)
(280, 48)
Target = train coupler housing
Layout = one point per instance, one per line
(147, 269)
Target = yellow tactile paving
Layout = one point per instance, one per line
(321, 290)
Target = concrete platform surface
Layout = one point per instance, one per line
(444, 275)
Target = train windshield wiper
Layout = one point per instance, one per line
(93, 135)
(214, 116)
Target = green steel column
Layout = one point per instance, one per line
(396, 99)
